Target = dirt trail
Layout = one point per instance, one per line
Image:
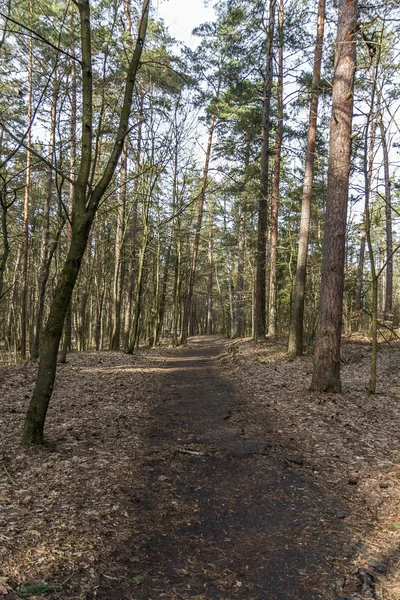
(218, 517)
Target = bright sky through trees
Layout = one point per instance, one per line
(182, 16)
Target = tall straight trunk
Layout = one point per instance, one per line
(238, 330)
(260, 316)
(295, 346)
(134, 330)
(119, 240)
(156, 291)
(176, 234)
(358, 302)
(326, 374)
(11, 320)
(132, 232)
(5, 240)
(231, 321)
(276, 185)
(238, 327)
(163, 296)
(25, 236)
(210, 297)
(134, 334)
(67, 341)
(176, 316)
(195, 251)
(86, 205)
(388, 307)
(368, 171)
(44, 253)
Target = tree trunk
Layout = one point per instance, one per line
(276, 185)
(25, 236)
(210, 297)
(368, 170)
(67, 342)
(119, 240)
(260, 316)
(326, 375)
(5, 241)
(195, 251)
(388, 308)
(82, 220)
(238, 331)
(133, 232)
(176, 315)
(163, 297)
(44, 254)
(295, 346)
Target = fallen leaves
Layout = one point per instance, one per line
(349, 439)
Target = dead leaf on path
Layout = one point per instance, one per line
(3, 590)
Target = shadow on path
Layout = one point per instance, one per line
(217, 517)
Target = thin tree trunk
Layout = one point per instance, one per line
(176, 318)
(44, 257)
(358, 301)
(326, 374)
(119, 241)
(163, 298)
(195, 251)
(238, 331)
(295, 346)
(25, 257)
(260, 309)
(67, 341)
(388, 308)
(368, 184)
(134, 335)
(133, 232)
(276, 185)
(210, 298)
(5, 241)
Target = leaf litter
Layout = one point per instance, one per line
(66, 506)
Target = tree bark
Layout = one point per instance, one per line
(119, 241)
(295, 345)
(326, 374)
(388, 308)
(25, 236)
(210, 296)
(44, 254)
(133, 232)
(195, 251)
(67, 342)
(276, 186)
(260, 309)
(238, 331)
(5, 240)
(368, 170)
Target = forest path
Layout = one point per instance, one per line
(218, 517)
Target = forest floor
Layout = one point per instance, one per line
(205, 472)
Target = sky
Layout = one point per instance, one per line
(181, 16)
